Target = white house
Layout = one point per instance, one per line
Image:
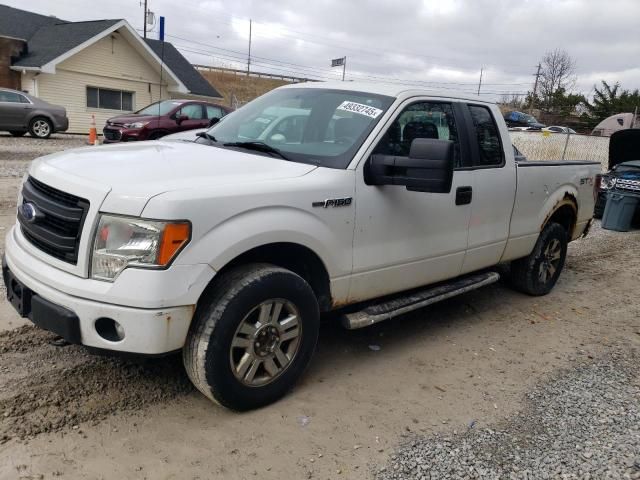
(102, 68)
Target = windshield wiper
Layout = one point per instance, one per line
(257, 146)
(206, 135)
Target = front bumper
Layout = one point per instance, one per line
(163, 302)
(119, 134)
(146, 331)
(61, 124)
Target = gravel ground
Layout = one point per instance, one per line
(583, 423)
(50, 388)
(16, 153)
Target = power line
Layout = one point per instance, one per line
(329, 72)
(320, 75)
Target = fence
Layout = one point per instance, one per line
(235, 71)
(559, 146)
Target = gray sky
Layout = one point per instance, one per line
(444, 42)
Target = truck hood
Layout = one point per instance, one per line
(128, 175)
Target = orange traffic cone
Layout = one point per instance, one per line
(93, 134)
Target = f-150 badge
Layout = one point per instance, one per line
(334, 202)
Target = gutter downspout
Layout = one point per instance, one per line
(35, 85)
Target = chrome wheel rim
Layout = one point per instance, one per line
(41, 128)
(265, 343)
(550, 261)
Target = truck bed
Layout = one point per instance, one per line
(542, 186)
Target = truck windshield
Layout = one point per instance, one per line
(309, 125)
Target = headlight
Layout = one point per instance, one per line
(136, 125)
(123, 242)
(607, 182)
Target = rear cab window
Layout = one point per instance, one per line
(487, 141)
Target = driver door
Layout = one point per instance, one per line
(405, 239)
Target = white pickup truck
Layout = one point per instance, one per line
(371, 200)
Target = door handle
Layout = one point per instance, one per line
(464, 195)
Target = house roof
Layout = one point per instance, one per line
(192, 79)
(21, 24)
(52, 41)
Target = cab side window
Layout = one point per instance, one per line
(487, 136)
(9, 97)
(193, 111)
(420, 120)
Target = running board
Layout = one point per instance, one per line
(384, 310)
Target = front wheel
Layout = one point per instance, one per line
(538, 273)
(252, 336)
(40, 127)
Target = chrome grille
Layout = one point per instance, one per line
(629, 185)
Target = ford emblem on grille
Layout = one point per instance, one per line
(29, 212)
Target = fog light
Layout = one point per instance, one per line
(109, 329)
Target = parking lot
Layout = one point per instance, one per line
(430, 393)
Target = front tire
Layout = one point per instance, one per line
(40, 127)
(538, 273)
(252, 336)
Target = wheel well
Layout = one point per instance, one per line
(565, 215)
(297, 258)
(40, 115)
(158, 133)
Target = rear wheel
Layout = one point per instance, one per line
(17, 133)
(40, 127)
(252, 337)
(538, 273)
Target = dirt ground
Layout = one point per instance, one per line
(66, 413)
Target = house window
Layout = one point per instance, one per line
(109, 99)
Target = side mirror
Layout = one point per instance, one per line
(181, 118)
(429, 167)
(213, 121)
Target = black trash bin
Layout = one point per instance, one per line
(619, 212)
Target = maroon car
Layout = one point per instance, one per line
(162, 118)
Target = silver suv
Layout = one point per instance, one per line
(21, 113)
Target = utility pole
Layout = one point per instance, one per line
(480, 82)
(344, 66)
(249, 57)
(535, 88)
(145, 19)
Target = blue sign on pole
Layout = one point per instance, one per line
(162, 29)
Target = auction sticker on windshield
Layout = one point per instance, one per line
(359, 108)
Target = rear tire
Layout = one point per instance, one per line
(252, 336)
(17, 134)
(538, 273)
(40, 127)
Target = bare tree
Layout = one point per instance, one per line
(558, 72)
(510, 100)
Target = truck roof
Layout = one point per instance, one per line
(389, 89)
